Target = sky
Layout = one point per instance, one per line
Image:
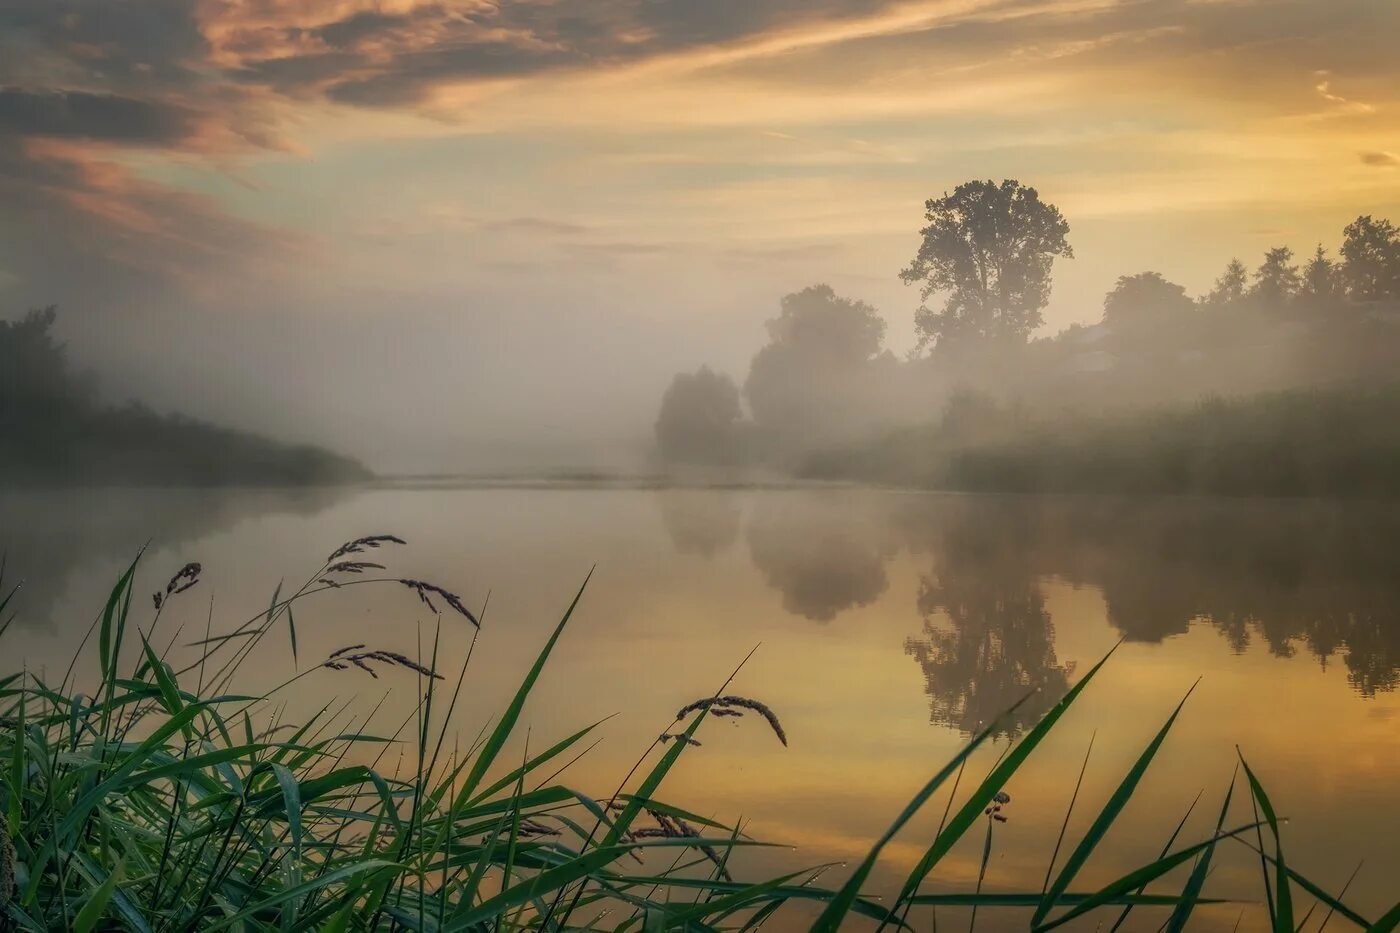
(444, 235)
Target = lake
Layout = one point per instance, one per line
(888, 627)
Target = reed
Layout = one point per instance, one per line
(151, 800)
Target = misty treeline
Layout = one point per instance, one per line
(55, 429)
(1272, 381)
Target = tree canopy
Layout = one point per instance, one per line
(820, 324)
(1371, 259)
(34, 370)
(1142, 298)
(1230, 288)
(818, 342)
(1276, 280)
(699, 418)
(989, 247)
(1321, 280)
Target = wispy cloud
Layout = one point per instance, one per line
(1380, 159)
(1344, 104)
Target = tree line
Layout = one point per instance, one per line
(984, 272)
(55, 429)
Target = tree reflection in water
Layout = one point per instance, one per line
(1288, 576)
(824, 560)
(704, 522)
(987, 638)
(1323, 577)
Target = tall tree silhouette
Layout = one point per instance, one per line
(1371, 259)
(990, 247)
(1276, 280)
(1321, 285)
(1230, 288)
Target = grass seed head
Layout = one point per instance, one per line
(733, 704)
(359, 545)
(342, 659)
(426, 591)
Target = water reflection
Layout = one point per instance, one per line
(823, 560)
(701, 521)
(1324, 578)
(987, 638)
(1287, 576)
(51, 535)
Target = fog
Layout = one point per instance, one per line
(416, 382)
(540, 379)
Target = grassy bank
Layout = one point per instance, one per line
(1339, 442)
(159, 798)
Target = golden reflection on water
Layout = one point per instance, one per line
(889, 625)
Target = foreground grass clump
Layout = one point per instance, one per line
(158, 799)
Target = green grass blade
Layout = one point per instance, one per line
(534, 763)
(536, 886)
(18, 767)
(291, 797)
(1388, 923)
(1032, 898)
(1138, 878)
(335, 876)
(487, 756)
(1190, 895)
(87, 919)
(835, 912)
(107, 633)
(1171, 841)
(1333, 902)
(993, 783)
(1283, 897)
(1107, 815)
(292, 633)
(169, 690)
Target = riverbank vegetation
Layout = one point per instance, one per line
(158, 797)
(1279, 380)
(1324, 442)
(53, 430)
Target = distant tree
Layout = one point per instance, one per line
(1142, 299)
(1371, 259)
(819, 347)
(1276, 280)
(990, 247)
(700, 417)
(820, 324)
(35, 377)
(1229, 289)
(54, 430)
(1321, 283)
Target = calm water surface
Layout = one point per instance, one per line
(889, 625)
